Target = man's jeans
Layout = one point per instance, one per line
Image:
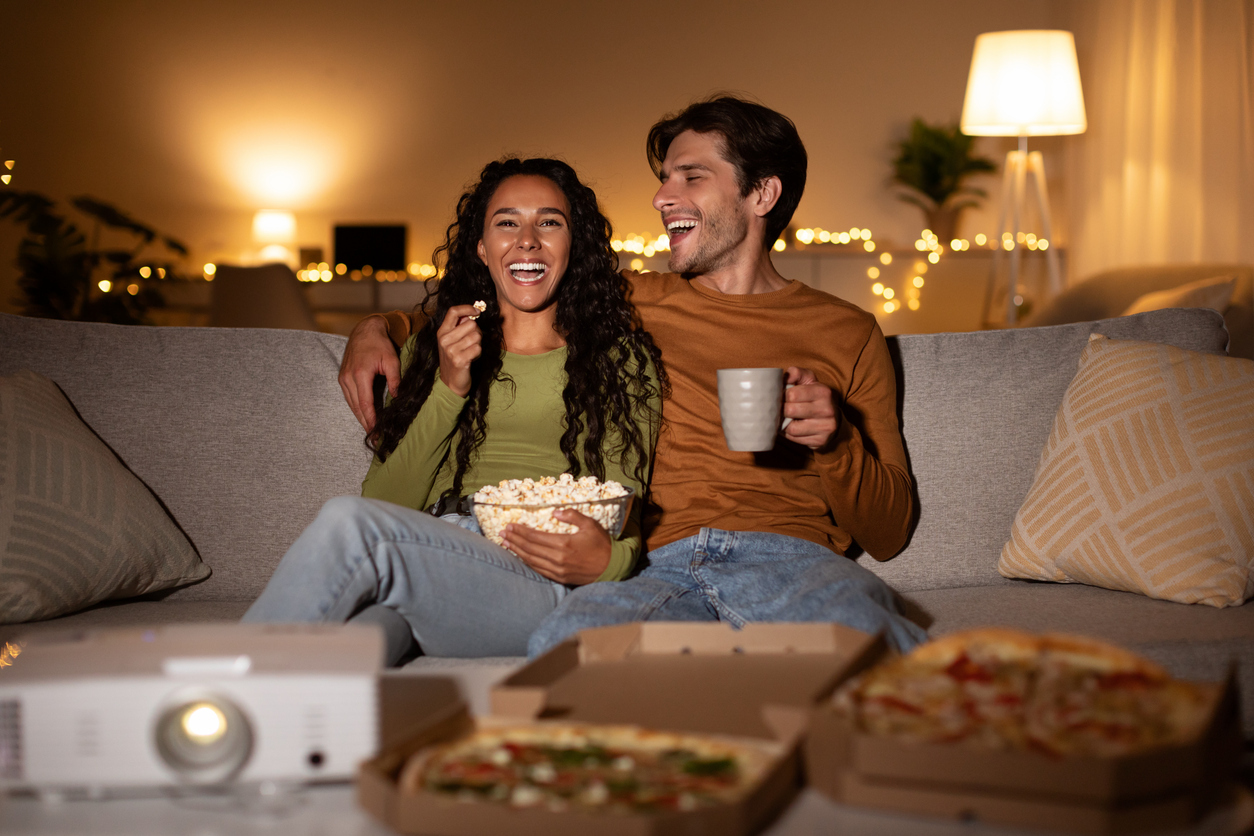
(459, 593)
(737, 577)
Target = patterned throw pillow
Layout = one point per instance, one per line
(1147, 481)
(76, 527)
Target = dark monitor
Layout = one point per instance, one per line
(380, 247)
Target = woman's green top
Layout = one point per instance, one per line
(525, 422)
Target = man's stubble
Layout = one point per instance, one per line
(722, 231)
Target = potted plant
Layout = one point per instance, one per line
(932, 162)
(63, 275)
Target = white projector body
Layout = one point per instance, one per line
(189, 705)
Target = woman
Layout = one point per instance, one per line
(555, 375)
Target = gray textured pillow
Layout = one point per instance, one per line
(76, 527)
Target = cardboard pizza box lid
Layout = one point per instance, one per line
(758, 683)
(702, 677)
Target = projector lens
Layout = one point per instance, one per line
(204, 739)
(204, 723)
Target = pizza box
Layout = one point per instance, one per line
(758, 683)
(1162, 789)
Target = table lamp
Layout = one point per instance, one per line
(275, 231)
(1023, 83)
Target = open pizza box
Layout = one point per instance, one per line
(1161, 789)
(757, 684)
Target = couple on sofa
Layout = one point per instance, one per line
(567, 369)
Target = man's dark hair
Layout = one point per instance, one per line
(758, 141)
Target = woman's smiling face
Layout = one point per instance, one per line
(526, 242)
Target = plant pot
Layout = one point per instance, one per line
(944, 223)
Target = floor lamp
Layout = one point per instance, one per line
(1023, 83)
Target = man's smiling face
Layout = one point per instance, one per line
(702, 209)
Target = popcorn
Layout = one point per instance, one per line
(480, 306)
(531, 502)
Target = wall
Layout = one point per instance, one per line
(193, 115)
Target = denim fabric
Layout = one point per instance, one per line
(461, 594)
(737, 577)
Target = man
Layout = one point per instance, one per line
(734, 536)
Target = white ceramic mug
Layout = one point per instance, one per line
(751, 403)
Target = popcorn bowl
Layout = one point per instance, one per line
(610, 513)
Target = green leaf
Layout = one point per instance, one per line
(934, 160)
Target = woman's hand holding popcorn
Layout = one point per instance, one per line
(571, 559)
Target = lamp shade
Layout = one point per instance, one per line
(1024, 83)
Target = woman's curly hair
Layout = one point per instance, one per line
(609, 355)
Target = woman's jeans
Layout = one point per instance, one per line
(459, 593)
(737, 577)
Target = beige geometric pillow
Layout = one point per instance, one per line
(1214, 293)
(76, 527)
(1147, 481)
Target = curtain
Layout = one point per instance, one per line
(1165, 172)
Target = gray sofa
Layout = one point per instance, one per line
(242, 434)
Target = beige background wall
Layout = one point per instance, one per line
(193, 115)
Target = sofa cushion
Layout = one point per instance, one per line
(1147, 481)
(242, 433)
(135, 612)
(1214, 293)
(976, 410)
(76, 527)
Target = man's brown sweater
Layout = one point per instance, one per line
(858, 490)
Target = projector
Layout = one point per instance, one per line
(121, 711)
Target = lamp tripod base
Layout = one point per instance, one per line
(1020, 164)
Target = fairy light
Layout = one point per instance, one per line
(929, 247)
(9, 652)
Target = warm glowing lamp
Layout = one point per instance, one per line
(1023, 83)
(275, 232)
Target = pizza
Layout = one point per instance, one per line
(1005, 689)
(590, 767)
